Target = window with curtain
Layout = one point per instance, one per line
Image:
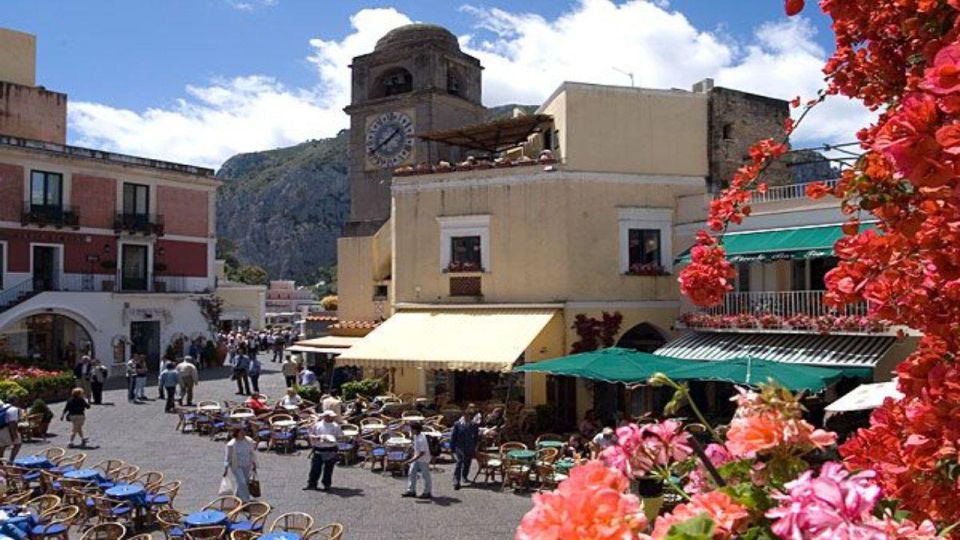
(136, 199)
(644, 251)
(465, 253)
(46, 190)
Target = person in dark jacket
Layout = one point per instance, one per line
(75, 410)
(463, 442)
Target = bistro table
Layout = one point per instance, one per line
(16, 526)
(285, 423)
(205, 518)
(413, 418)
(135, 494)
(550, 444)
(92, 475)
(349, 432)
(399, 441)
(280, 535)
(521, 455)
(373, 427)
(33, 462)
(564, 465)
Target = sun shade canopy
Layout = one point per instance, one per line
(865, 397)
(848, 351)
(325, 344)
(753, 371)
(779, 244)
(458, 339)
(492, 136)
(611, 365)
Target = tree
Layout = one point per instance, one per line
(252, 275)
(211, 308)
(901, 57)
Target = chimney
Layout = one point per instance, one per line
(704, 86)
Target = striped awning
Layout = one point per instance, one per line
(794, 243)
(812, 349)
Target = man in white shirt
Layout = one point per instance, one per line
(603, 440)
(323, 437)
(188, 377)
(419, 464)
(9, 432)
(331, 402)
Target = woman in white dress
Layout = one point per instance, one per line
(241, 460)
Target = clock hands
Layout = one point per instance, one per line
(385, 141)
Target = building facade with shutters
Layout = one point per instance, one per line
(100, 252)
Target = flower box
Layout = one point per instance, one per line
(646, 270)
(456, 266)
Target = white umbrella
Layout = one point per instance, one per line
(865, 397)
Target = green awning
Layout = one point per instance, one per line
(780, 244)
(610, 365)
(752, 371)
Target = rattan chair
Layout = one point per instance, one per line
(55, 524)
(171, 523)
(295, 522)
(244, 535)
(144, 536)
(163, 496)
(69, 462)
(111, 510)
(225, 503)
(150, 480)
(105, 531)
(333, 531)
(54, 453)
(43, 503)
(205, 533)
(108, 466)
(252, 516)
(127, 473)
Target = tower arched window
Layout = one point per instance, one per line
(393, 82)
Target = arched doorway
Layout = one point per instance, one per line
(48, 338)
(645, 337)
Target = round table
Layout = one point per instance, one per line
(280, 535)
(209, 408)
(399, 441)
(373, 427)
(83, 474)
(134, 493)
(350, 432)
(33, 462)
(285, 423)
(205, 518)
(413, 418)
(564, 465)
(241, 415)
(521, 455)
(550, 444)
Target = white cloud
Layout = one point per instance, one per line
(251, 5)
(526, 57)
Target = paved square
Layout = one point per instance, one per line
(368, 504)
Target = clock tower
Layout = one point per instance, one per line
(416, 80)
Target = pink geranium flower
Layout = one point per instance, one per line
(728, 517)
(641, 448)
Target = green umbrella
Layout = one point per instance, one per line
(610, 365)
(752, 371)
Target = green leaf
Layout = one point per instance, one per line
(750, 496)
(698, 528)
(760, 532)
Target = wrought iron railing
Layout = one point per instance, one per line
(147, 224)
(11, 296)
(44, 215)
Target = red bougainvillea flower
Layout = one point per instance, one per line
(943, 77)
(728, 517)
(591, 504)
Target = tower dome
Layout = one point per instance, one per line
(417, 34)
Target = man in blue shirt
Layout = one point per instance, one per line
(241, 370)
(464, 439)
(168, 381)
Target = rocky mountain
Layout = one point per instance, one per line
(285, 208)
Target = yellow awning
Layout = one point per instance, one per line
(460, 339)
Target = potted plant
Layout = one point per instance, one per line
(46, 415)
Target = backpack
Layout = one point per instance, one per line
(3, 416)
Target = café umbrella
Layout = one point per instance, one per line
(612, 365)
(751, 371)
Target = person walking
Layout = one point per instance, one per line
(290, 368)
(168, 381)
(98, 376)
(241, 460)
(323, 436)
(463, 441)
(74, 411)
(132, 379)
(189, 377)
(142, 377)
(307, 378)
(241, 366)
(419, 464)
(255, 368)
(9, 432)
(81, 372)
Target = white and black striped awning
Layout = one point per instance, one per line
(812, 349)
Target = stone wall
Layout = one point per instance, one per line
(33, 113)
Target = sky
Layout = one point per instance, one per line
(198, 81)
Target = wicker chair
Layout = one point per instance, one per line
(205, 533)
(111, 510)
(151, 480)
(333, 531)
(226, 504)
(252, 516)
(127, 473)
(144, 536)
(55, 524)
(295, 522)
(162, 496)
(108, 466)
(54, 453)
(171, 523)
(43, 503)
(243, 535)
(105, 531)
(69, 462)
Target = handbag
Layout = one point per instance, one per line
(253, 486)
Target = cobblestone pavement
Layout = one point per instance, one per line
(368, 504)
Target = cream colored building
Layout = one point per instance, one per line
(584, 208)
(244, 306)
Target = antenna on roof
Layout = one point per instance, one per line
(627, 73)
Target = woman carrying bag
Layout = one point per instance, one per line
(241, 459)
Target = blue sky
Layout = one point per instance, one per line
(199, 80)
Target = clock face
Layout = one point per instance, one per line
(389, 140)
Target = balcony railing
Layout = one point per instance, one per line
(782, 303)
(104, 283)
(782, 310)
(789, 192)
(147, 224)
(44, 215)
